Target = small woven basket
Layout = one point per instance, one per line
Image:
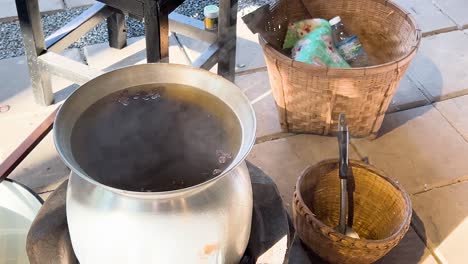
(382, 213)
(310, 98)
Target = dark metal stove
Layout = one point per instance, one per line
(158, 19)
(49, 239)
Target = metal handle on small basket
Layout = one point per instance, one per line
(343, 141)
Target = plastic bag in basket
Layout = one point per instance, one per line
(317, 48)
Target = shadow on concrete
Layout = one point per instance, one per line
(411, 248)
(396, 120)
(414, 75)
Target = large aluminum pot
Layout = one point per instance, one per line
(206, 223)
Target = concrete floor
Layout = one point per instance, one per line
(423, 142)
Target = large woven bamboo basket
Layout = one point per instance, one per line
(382, 213)
(310, 98)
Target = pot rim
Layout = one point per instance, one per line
(241, 156)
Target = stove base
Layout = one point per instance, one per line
(49, 240)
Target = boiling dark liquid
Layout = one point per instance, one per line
(156, 138)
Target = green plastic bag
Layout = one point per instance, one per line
(317, 48)
(298, 30)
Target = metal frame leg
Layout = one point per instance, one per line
(33, 39)
(117, 29)
(156, 32)
(227, 38)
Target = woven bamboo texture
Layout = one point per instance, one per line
(382, 212)
(310, 98)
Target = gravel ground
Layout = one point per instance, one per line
(11, 44)
(11, 41)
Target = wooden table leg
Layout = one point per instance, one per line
(156, 32)
(33, 39)
(164, 37)
(227, 38)
(117, 29)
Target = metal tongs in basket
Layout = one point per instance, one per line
(343, 142)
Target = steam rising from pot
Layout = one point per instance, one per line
(156, 138)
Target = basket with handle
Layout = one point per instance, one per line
(382, 212)
(310, 98)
